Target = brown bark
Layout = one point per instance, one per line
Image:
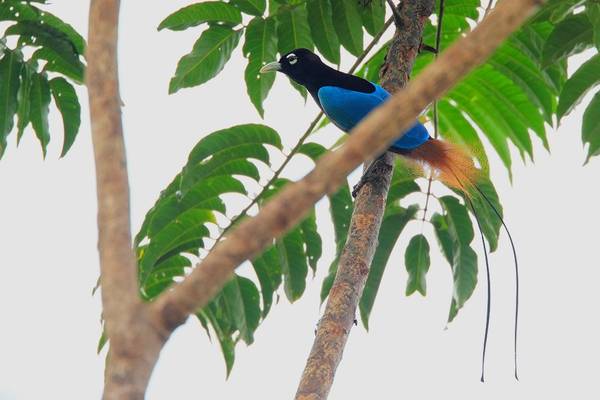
(134, 345)
(137, 331)
(353, 268)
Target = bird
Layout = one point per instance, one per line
(346, 99)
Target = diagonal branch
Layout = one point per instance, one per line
(369, 138)
(355, 261)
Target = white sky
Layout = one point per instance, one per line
(50, 322)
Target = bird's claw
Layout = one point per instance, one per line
(371, 174)
(426, 47)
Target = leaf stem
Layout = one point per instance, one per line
(438, 40)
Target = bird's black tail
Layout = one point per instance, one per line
(468, 196)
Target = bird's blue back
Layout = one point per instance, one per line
(346, 108)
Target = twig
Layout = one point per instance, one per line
(488, 8)
(395, 13)
(438, 41)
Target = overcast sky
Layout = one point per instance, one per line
(49, 262)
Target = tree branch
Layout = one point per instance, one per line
(134, 344)
(335, 325)
(369, 138)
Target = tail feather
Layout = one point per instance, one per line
(453, 164)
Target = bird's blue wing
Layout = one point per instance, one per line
(413, 138)
(346, 108)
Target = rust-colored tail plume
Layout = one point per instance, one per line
(451, 162)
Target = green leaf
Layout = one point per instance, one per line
(444, 236)
(27, 13)
(24, 100)
(512, 105)
(402, 183)
(593, 13)
(169, 208)
(340, 203)
(490, 223)
(252, 7)
(393, 224)
(372, 13)
(582, 81)
(455, 127)
(312, 240)
(57, 61)
(224, 140)
(243, 303)
(67, 103)
(161, 276)
(348, 25)
(523, 71)
(223, 333)
(591, 127)
(228, 168)
(370, 70)
(199, 13)
(61, 55)
(486, 117)
(571, 36)
(268, 272)
(458, 220)
(10, 69)
(464, 270)
(320, 19)
(417, 263)
(293, 264)
(293, 30)
(187, 227)
(208, 57)
(40, 101)
(102, 341)
(260, 47)
(555, 10)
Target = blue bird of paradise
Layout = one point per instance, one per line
(346, 99)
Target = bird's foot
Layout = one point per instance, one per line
(425, 47)
(371, 174)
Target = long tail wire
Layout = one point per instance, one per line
(487, 265)
(514, 251)
(489, 290)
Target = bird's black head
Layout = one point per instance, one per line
(301, 65)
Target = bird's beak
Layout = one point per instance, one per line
(270, 67)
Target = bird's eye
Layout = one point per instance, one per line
(292, 59)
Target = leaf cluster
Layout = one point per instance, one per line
(41, 65)
(510, 100)
(274, 27)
